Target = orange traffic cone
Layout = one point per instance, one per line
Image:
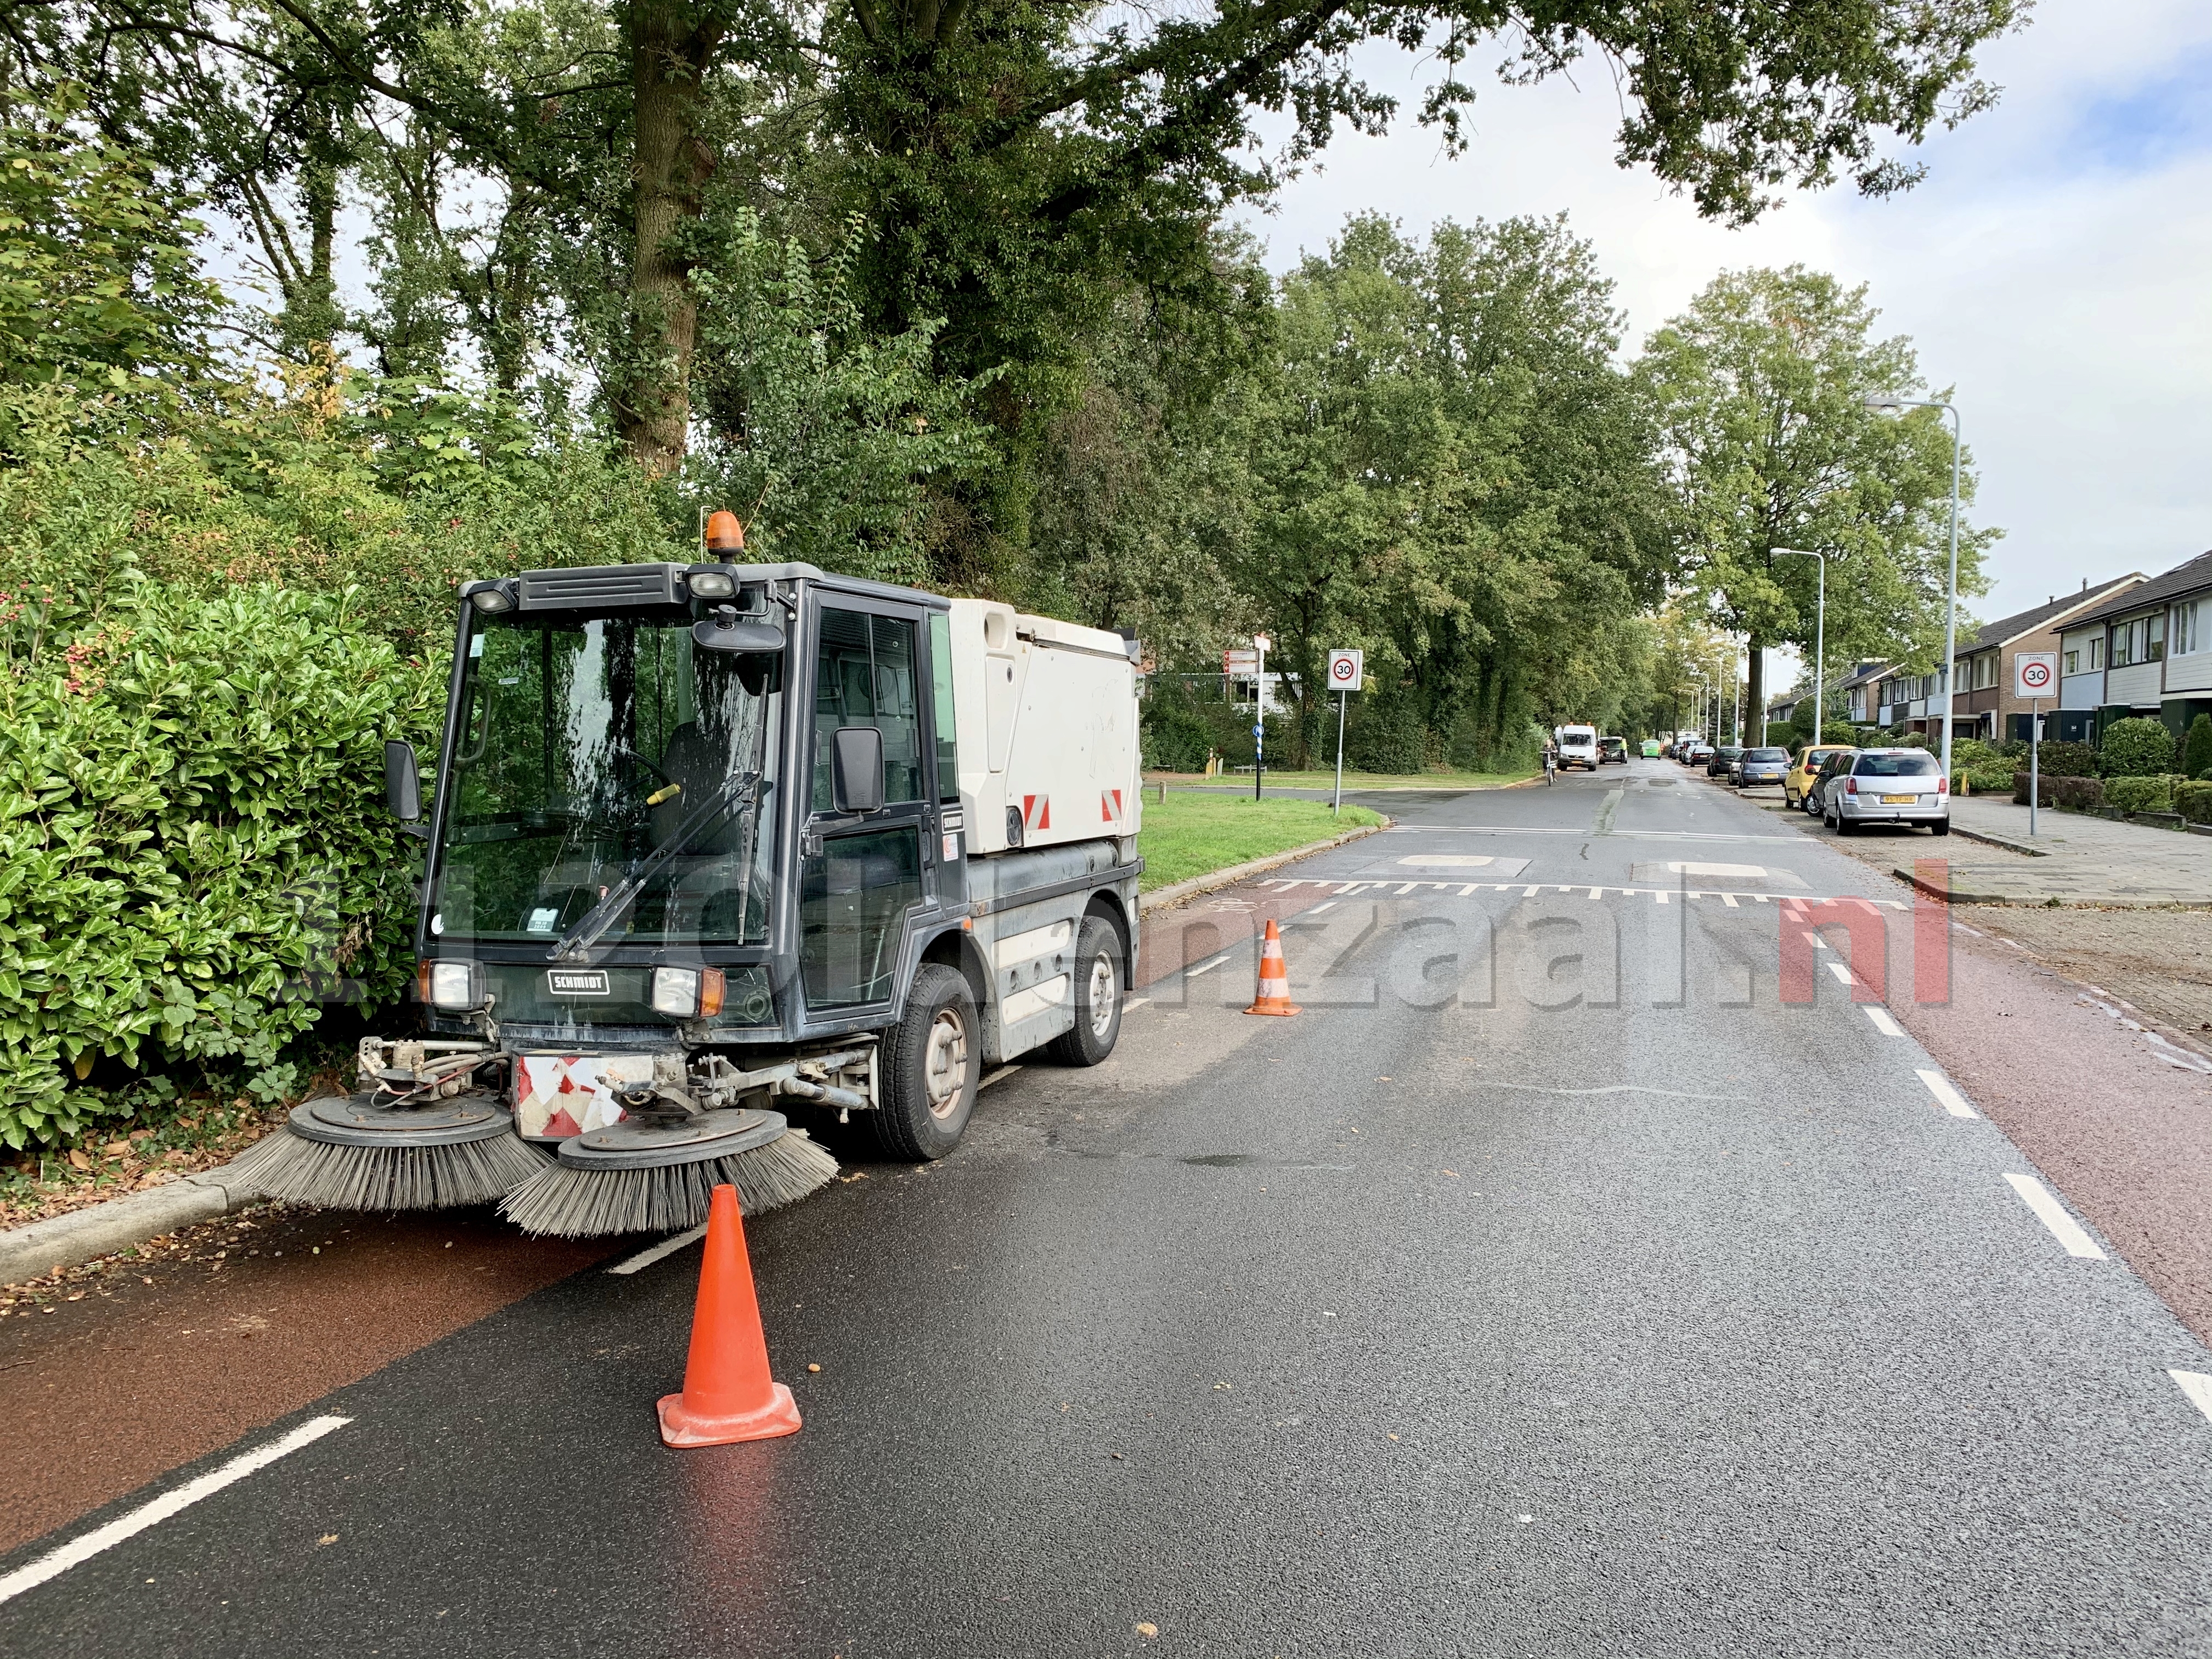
(728, 1395)
(1274, 977)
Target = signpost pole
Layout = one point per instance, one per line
(2034, 754)
(1336, 807)
(1259, 715)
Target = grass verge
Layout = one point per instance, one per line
(1327, 780)
(1194, 834)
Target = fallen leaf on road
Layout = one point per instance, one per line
(814, 1368)
(327, 1538)
(1148, 1630)
(78, 1159)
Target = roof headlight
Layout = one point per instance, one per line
(492, 598)
(713, 585)
(452, 985)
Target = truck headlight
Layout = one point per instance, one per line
(688, 992)
(450, 984)
(713, 585)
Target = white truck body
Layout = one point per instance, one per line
(1046, 714)
(1577, 746)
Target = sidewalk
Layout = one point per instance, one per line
(2083, 859)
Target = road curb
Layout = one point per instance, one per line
(1988, 839)
(1213, 879)
(116, 1223)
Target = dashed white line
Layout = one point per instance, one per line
(652, 1254)
(1318, 909)
(2053, 1214)
(2197, 1387)
(1135, 1002)
(1206, 966)
(998, 1076)
(78, 1550)
(1946, 1097)
(1884, 1021)
(1840, 972)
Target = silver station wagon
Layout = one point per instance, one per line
(1887, 786)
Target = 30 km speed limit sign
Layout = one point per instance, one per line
(1344, 671)
(2035, 673)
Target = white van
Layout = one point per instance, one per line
(1577, 746)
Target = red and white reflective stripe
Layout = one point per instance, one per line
(1109, 806)
(1037, 812)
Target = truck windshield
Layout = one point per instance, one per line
(588, 745)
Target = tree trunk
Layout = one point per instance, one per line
(670, 49)
(1754, 695)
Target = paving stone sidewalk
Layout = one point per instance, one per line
(2082, 859)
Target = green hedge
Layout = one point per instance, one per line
(193, 854)
(2140, 794)
(2193, 800)
(2136, 749)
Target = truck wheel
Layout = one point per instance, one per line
(1098, 993)
(935, 1057)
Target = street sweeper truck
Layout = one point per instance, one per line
(713, 843)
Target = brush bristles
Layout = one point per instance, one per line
(301, 1171)
(566, 1202)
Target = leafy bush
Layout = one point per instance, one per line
(2140, 794)
(1175, 737)
(2136, 749)
(2197, 749)
(2045, 792)
(191, 828)
(2193, 800)
(2062, 759)
(2081, 794)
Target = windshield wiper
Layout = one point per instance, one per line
(575, 945)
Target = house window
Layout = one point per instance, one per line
(2182, 630)
(2073, 661)
(2096, 652)
(2155, 642)
(1986, 670)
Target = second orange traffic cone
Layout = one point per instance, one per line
(728, 1395)
(1274, 996)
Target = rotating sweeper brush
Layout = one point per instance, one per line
(424, 1137)
(657, 1170)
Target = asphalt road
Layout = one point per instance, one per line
(1548, 1286)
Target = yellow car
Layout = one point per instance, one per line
(1799, 779)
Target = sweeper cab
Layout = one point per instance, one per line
(711, 843)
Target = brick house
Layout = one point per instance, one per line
(1985, 706)
(2148, 652)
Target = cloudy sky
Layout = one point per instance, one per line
(2055, 267)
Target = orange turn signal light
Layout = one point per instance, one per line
(711, 987)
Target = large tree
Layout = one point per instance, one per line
(1761, 386)
(1019, 163)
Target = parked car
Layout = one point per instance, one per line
(1691, 751)
(1651, 750)
(1760, 766)
(1613, 750)
(1798, 784)
(1723, 759)
(1838, 760)
(1888, 786)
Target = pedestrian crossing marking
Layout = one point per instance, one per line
(1346, 888)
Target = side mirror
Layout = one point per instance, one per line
(856, 768)
(403, 784)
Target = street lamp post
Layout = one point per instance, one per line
(1819, 640)
(1890, 400)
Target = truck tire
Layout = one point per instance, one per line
(934, 1057)
(1099, 990)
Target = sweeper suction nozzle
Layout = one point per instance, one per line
(658, 1173)
(364, 1153)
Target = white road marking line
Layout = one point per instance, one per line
(1840, 972)
(1409, 887)
(1884, 1021)
(1318, 909)
(2197, 1387)
(2053, 1214)
(1139, 1002)
(1946, 1097)
(668, 1247)
(1343, 888)
(1729, 899)
(998, 1076)
(1757, 870)
(84, 1549)
(1206, 966)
